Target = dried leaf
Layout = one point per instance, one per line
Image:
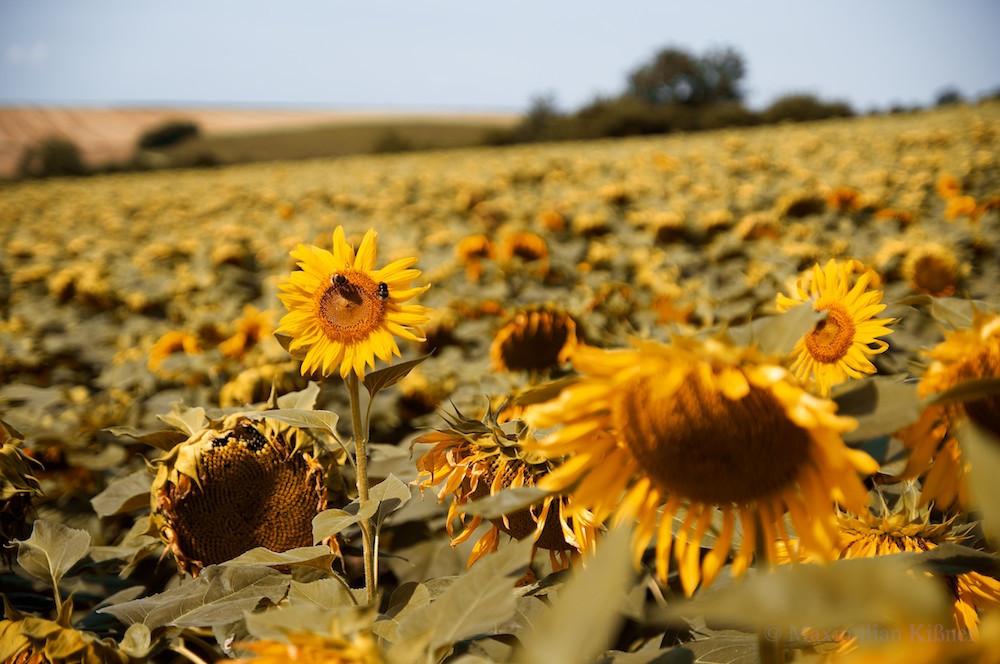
(124, 494)
(162, 440)
(137, 642)
(51, 550)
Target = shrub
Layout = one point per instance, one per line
(804, 108)
(51, 157)
(168, 133)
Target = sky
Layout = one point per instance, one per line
(475, 55)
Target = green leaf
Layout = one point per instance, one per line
(889, 589)
(318, 557)
(506, 501)
(124, 494)
(218, 596)
(982, 449)
(474, 604)
(325, 593)
(545, 392)
(304, 399)
(576, 628)
(331, 522)
(777, 335)
(377, 381)
(966, 391)
(286, 342)
(188, 420)
(51, 550)
(391, 494)
(881, 405)
(726, 647)
(324, 420)
(952, 311)
(162, 440)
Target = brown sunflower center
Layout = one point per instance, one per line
(986, 411)
(350, 306)
(934, 275)
(533, 341)
(831, 337)
(700, 445)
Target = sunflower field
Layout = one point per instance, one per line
(725, 397)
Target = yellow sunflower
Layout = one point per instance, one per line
(312, 648)
(342, 311)
(475, 459)
(535, 339)
(838, 347)
(707, 427)
(964, 354)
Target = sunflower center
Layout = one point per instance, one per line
(832, 337)
(699, 444)
(986, 411)
(350, 307)
(934, 275)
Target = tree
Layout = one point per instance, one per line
(675, 76)
(51, 157)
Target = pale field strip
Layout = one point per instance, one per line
(110, 134)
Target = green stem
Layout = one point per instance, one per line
(361, 475)
(769, 647)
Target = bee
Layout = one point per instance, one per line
(338, 279)
(383, 291)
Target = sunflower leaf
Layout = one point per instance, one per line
(323, 420)
(575, 628)
(286, 342)
(304, 399)
(317, 557)
(505, 502)
(188, 420)
(218, 596)
(391, 494)
(983, 451)
(331, 522)
(545, 392)
(377, 381)
(51, 550)
(137, 642)
(777, 335)
(124, 494)
(967, 390)
(881, 405)
(162, 440)
(473, 604)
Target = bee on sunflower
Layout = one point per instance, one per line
(839, 346)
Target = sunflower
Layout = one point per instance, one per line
(965, 354)
(838, 347)
(472, 251)
(707, 427)
(236, 485)
(29, 640)
(475, 459)
(536, 338)
(170, 343)
(253, 326)
(312, 648)
(17, 487)
(932, 269)
(342, 311)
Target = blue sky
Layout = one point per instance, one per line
(476, 55)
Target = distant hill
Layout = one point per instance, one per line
(110, 134)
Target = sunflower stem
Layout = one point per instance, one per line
(361, 478)
(769, 647)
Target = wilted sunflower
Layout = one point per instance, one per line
(869, 535)
(313, 648)
(17, 487)
(536, 338)
(965, 354)
(476, 459)
(838, 347)
(933, 269)
(243, 483)
(342, 311)
(707, 427)
(30, 640)
(253, 326)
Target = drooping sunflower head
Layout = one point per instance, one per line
(251, 327)
(705, 426)
(17, 487)
(474, 459)
(839, 345)
(965, 354)
(472, 251)
(933, 269)
(534, 339)
(246, 482)
(344, 313)
(900, 530)
(527, 247)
